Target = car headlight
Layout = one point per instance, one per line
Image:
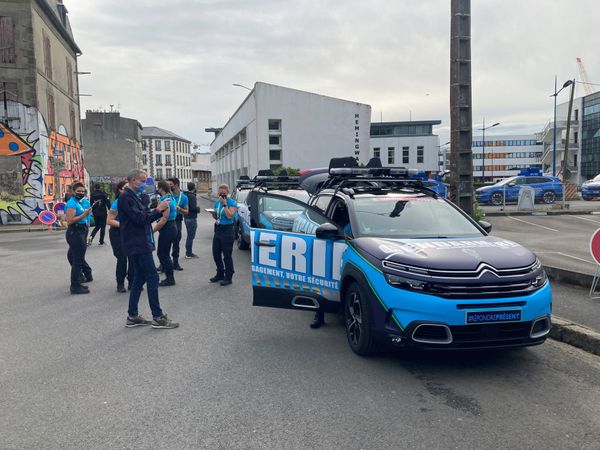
(540, 280)
(406, 283)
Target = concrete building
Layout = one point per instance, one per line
(589, 161)
(407, 144)
(38, 81)
(277, 126)
(505, 156)
(113, 145)
(201, 174)
(166, 155)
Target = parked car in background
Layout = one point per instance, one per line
(590, 189)
(547, 190)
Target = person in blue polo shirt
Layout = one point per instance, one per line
(222, 246)
(167, 233)
(124, 264)
(78, 218)
(181, 201)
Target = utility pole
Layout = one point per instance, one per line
(461, 155)
(566, 173)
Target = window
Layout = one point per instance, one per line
(157, 145)
(274, 140)
(575, 137)
(286, 214)
(391, 155)
(274, 125)
(47, 57)
(51, 114)
(145, 160)
(322, 202)
(275, 155)
(158, 160)
(69, 78)
(376, 152)
(167, 160)
(576, 114)
(10, 91)
(167, 146)
(159, 174)
(8, 53)
(168, 172)
(405, 155)
(73, 123)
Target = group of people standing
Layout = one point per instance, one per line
(133, 225)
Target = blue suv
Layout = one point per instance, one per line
(547, 190)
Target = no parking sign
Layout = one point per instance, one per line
(47, 217)
(595, 246)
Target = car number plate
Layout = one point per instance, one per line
(474, 317)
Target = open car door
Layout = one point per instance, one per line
(291, 268)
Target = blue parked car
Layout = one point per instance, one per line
(591, 188)
(547, 189)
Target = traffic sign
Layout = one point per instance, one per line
(595, 246)
(47, 217)
(59, 208)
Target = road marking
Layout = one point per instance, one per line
(534, 224)
(564, 254)
(584, 218)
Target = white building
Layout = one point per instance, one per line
(201, 171)
(505, 156)
(166, 155)
(277, 126)
(406, 144)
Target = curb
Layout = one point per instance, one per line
(9, 229)
(565, 212)
(576, 335)
(569, 276)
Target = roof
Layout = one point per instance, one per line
(156, 132)
(57, 13)
(408, 122)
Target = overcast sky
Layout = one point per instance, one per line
(172, 63)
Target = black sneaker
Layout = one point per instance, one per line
(164, 322)
(77, 290)
(137, 321)
(193, 255)
(101, 243)
(217, 278)
(121, 288)
(87, 278)
(177, 267)
(167, 282)
(318, 321)
(225, 282)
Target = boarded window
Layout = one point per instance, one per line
(8, 90)
(8, 54)
(73, 124)
(51, 117)
(47, 57)
(69, 78)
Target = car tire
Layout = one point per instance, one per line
(548, 197)
(497, 198)
(358, 321)
(241, 243)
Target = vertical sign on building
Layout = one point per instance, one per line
(356, 135)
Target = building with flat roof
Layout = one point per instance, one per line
(504, 156)
(409, 144)
(166, 155)
(277, 127)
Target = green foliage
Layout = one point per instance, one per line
(290, 171)
(478, 213)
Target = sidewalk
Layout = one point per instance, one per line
(27, 228)
(571, 207)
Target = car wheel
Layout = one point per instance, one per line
(241, 243)
(497, 198)
(548, 197)
(357, 314)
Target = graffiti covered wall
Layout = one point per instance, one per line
(50, 163)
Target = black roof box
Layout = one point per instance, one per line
(265, 173)
(347, 161)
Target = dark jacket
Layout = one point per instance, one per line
(101, 209)
(192, 205)
(135, 224)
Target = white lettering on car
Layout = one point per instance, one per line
(293, 253)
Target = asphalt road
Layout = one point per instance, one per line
(560, 241)
(236, 376)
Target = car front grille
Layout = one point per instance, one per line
(483, 335)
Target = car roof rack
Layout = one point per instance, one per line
(276, 182)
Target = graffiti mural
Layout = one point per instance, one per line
(50, 162)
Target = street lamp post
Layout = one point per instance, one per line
(566, 84)
(241, 85)
(483, 151)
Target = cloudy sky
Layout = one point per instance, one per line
(172, 63)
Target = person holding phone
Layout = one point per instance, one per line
(78, 211)
(225, 211)
(100, 209)
(124, 267)
(167, 233)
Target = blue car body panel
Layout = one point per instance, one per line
(511, 193)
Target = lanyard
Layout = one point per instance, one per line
(220, 210)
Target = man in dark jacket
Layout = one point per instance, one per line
(191, 220)
(100, 207)
(137, 241)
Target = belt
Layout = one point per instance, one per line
(224, 225)
(78, 226)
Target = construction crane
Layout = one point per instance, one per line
(583, 78)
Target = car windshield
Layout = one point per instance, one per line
(241, 195)
(409, 216)
(596, 178)
(503, 182)
(297, 194)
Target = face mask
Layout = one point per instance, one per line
(79, 196)
(141, 188)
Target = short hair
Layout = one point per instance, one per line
(97, 187)
(134, 174)
(174, 180)
(191, 186)
(164, 186)
(77, 185)
(224, 186)
(120, 185)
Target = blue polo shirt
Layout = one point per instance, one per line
(79, 206)
(114, 206)
(172, 205)
(220, 211)
(182, 201)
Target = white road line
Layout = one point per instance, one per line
(563, 254)
(534, 224)
(585, 218)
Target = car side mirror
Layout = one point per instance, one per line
(486, 226)
(329, 231)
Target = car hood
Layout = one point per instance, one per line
(591, 184)
(446, 254)
(485, 188)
